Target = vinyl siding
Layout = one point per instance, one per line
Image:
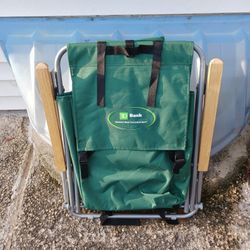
(10, 97)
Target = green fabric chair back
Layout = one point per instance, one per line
(129, 114)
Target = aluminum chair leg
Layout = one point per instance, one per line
(198, 116)
(69, 177)
(77, 196)
(65, 188)
(199, 188)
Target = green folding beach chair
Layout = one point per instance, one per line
(131, 129)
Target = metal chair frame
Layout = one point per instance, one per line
(72, 200)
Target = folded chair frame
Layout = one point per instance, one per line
(72, 200)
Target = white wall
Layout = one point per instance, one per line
(116, 7)
(10, 97)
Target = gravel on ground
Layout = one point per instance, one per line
(32, 216)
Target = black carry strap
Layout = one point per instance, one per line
(130, 47)
(130, 51)
(106, 221)
(83, 161)
(156, 65)
(101, 51)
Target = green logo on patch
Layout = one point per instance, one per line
(123, 116)
(131, 118)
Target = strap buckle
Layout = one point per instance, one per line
(83, 161)
(179, 161)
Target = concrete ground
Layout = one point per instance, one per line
(32, 217)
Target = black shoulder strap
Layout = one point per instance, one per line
(101, 50)
(130, 48)
(129, 44)
(156, 65)
(129, 51)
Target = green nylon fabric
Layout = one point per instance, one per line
(126, 179)
(129, 169)
(126, 86)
